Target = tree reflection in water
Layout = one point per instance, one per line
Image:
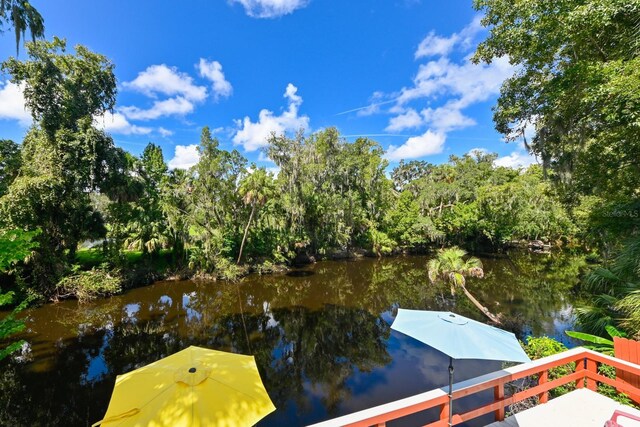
(321, 340)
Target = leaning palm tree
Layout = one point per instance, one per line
(256, 188)
(450, 266)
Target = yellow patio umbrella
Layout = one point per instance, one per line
(193, 387)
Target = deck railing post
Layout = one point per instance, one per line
(498, 395)
(580, 366)
(542, 378)
(444, 411)
(592, 366)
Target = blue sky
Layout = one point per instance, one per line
(395, 70)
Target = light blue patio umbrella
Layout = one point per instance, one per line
(459, 338)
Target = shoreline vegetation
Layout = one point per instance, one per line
(575, 84)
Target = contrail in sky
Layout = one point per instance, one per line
(364, 108)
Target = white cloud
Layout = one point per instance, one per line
(407, 120)
(270, 8)
(446, 118)
(177, 106)
(478, 150)
(418, 146)
(263, 157)
(253, 136)
(12, 105)
(118, 123)
(456, 84)
(434, 45)
(165, 80)
(516, 160)
(274, 170)
(213, 71)
(185, 156)
(470, 82)
(164, 132)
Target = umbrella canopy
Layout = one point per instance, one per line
(193, 387)
(459, 337)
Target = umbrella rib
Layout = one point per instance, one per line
(233, 388)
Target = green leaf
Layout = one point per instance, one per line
(589, 338)
(614, 332)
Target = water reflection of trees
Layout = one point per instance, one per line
(295, 348)
(530, 289)
(310, 334)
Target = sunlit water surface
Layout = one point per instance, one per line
(320, 334)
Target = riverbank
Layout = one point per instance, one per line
(138, 271)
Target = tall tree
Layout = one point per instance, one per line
(63, 90)
(65, 158)
(256, 188)
(215, 203)
(147, 225)
(577, 81)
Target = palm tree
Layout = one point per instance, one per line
(450, 266)
(256, 188)
(21, 15)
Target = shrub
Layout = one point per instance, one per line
(539, 347)
(88, 285)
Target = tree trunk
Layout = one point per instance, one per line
(246, 231)
(482, 308)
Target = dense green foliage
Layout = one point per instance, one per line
(616, 294)
(577, 83)
(15, 246)
(330, 197)
(539, 347)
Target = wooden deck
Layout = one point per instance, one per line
(585, 376)
(582, 407)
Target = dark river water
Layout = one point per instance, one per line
(320, 334)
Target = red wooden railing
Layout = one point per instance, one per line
(628, 350)
(585, 375)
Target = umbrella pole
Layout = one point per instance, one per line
(450, 391)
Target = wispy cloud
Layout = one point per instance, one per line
(454, 84)
(165, 133)
(270, 8)
(367, 109)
